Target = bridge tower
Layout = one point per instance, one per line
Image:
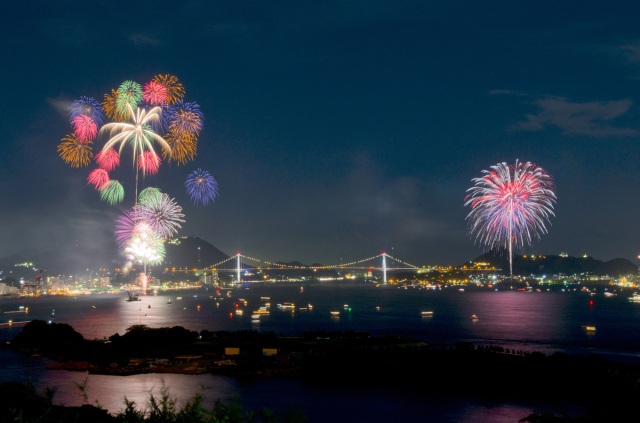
(384, 267)
(238, 268)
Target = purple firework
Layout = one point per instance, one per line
(87, 106)
(201, 187)
(126, 224)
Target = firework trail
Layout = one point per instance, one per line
(201, 187)
(510, 205)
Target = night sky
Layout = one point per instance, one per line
(335, 129)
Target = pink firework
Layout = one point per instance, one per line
(108, 159)
(510, 204)
(149, 162)
(155, 93)
(84, 128)
(98, 177)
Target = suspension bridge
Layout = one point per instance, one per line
(382, 263)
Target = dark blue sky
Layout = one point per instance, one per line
(336, 129)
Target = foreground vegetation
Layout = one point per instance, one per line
(21, 403)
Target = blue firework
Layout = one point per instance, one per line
(87, 106)
(185, 118)
(201, 187)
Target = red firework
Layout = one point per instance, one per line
(149, 162)
(155, 93)
(98, 178)
(84, 128)
(108, 159)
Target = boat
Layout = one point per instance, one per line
(261, 311)
(588, 328)
(133, 296)
(635, 298)
(335, 313)
(287, 306)
(169, 302)
(426, 313)
(474, 317)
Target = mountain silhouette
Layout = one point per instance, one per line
(556, 264)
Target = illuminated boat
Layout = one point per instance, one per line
(426, 313)
(474, 317)
(335, 313)
(589, 328)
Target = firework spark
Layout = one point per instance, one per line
(510, 204)
(201, 187)
(74, 151)
(145, 245)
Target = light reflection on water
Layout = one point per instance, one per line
(547, 322)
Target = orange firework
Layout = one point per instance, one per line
(175, 90)
(75, 152)
(109, 105)
(183, 147)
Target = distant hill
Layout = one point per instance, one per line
(553, 264)
(181, 252)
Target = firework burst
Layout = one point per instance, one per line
(149, 162)
(183, 148)
(155, 93)
(201, 187)
(98, 178)
(145, 245)
(84, 128)
(185, 119)
(174, 89)
(108, 159)
(75, 152)
(86, 106)
(510, 205)
(129, 95)
(162, 213)
(112, 192)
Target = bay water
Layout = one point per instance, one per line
(547, 321)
